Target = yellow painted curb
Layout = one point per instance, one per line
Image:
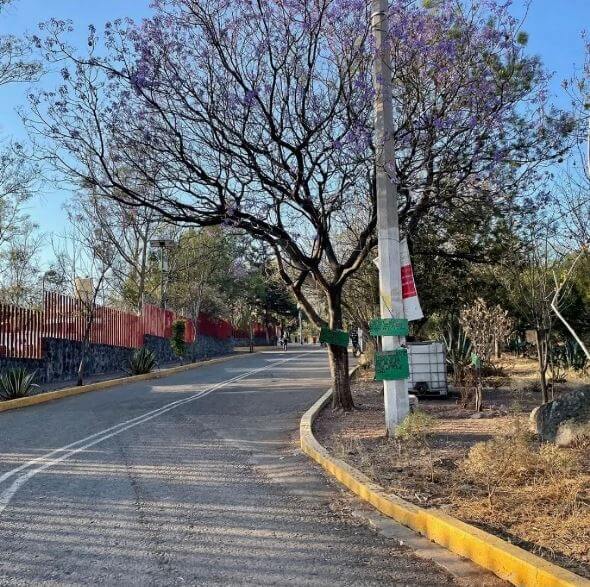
(50, 396)
(507, 561)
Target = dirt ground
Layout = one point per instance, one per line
(510, 485)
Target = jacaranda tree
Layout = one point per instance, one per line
(259, 115)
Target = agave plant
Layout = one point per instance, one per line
(574, 357)
(458, 349)
(142, 361)
(17, 382)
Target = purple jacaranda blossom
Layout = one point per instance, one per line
(233, 103)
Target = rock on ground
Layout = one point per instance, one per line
(572, 407)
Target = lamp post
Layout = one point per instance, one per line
(162, 244)
(390, 288)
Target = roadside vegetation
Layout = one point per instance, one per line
(16, 383)
(142, 361)
(490, 471)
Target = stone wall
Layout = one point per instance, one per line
(205, 346)
(62, 357)
(161, 348)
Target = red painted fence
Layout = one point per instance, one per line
(21, 329)
(258, 331)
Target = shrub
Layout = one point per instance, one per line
(16, 383)
(467, 386)
(515, 461)
(177, 341)
(415, 426)
(458, 349)
(575, 358)
(142, 361)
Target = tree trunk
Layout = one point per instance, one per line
(341, 397)
(80, 380)
(544, 387)
(86, 342)
(478, 393)
(542, 353)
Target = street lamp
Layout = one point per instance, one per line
(162, 244)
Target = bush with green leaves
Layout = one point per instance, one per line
(177, 341)
(565, 357)
(142, 361)
(518, 346)
(575, 358)
(415, 427)
(17, 383)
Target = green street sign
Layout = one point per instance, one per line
(335, 337)
(392, 365)
(389, 327)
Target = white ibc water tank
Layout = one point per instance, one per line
(428, 368)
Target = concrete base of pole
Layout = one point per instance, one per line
(397, 404)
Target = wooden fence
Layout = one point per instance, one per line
(22, 329)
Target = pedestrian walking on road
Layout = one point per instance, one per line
(354, 339)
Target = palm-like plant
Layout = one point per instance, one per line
(17, 382)
(142, 361)
(458, 349)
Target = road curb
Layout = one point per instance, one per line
(50, 396)
(505, 560)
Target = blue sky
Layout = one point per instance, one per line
(23, 16)
(554, 28)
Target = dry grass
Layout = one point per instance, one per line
(490, 472)
(540, 500)
(515, 460)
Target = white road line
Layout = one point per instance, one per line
(44, 462)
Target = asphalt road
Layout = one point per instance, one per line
(190, 480)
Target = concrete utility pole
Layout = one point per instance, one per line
(390, 286)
